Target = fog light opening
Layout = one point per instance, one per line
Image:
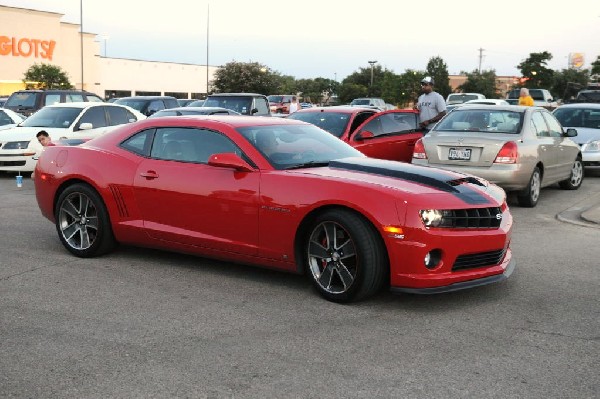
(433, 259)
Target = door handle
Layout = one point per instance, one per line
(149, 174)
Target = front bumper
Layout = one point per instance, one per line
(462, 285)
(16, 162)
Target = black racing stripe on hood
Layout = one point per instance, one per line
(427, 176)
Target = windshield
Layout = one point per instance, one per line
(239, 104)
(578, 117)
(358, 101)
(480, 120)
(589, 96)
(292, 146)
(333, 122)
(57, 117)
(275, 99)
(22, 99)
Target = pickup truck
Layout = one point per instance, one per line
(541, 97)
(369, 102)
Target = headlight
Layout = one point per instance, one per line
(431, 217)
(15, 145)
(592, 146)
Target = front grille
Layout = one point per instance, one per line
(473, 218)
(481, 259)
(12, 163)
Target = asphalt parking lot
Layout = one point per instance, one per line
(140, 323)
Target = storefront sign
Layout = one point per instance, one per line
(27, 47)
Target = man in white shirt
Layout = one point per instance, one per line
(294, 105)
(431, 105)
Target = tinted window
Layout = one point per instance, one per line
(554, 126)
(333, 122)
(190, 145)
(95, 116)
(539, 125)
(390, 124)
(22, 99)
(155, 105)
(238, 104)
(73, 98)
(139, 143)
(119, 116)
(51, 99)
(93, 98)
(4, 119)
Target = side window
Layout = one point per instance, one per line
(93, 98)
(139, 143)
(262, 105)
(539, 125)
(555, 128)
(359, 120)
(374, 127)
(119, 116)
(74, 98)
(155, 105)
(95, 116)
(190, 145)
(52, 99)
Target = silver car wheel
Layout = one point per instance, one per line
(332, 257)
(78, 221)
(536, 185)
(577, 173)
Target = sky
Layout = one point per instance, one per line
(332, 39)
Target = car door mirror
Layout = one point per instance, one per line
(229, 160)
(364, 134)
(571, 132)
(253, 111)
(86, 126)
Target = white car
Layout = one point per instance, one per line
(488, 101)
(19, 148)
(585, 118)
(9, 118)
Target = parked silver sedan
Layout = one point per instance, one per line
(521, 149)
(585, 118)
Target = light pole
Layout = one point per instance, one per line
(105, 39)
(371, 87)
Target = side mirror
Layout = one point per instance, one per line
(364, 134)
(229, 160)
(571, 132)
(253, 111)
(86, 126)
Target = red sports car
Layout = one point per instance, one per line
(385, 135)
(278, 193)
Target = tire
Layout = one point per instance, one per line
(82, 222)
(350, 267)
(574, 181)
(529, 197)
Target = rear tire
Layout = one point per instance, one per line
(574, 181)
(529, 197)
(346, 259)
(82, 222)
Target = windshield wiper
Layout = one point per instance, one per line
(311, 164)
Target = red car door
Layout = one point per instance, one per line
(186, 201)
(388, 135)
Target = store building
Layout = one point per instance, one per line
(32, 36)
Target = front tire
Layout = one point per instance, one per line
(574, 181)
(82, 222)
(345, 257)
(530, 196)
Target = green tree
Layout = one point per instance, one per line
(596, 68)
(349, 91)
(534, 70)
(46, 76)
(568, 82)
(484, 83)
(246, 77)
(438, 70)
(410, 84)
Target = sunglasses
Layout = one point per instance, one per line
(424, 84)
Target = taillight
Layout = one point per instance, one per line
(419, 151)
(508, 153)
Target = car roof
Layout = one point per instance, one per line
(145, 98)
(580, 105)
(337, 108)
(236, 94)
(82, 105)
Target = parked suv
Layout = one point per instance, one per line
(148, 105)
(26, 102)
(245, 103)
(461, 98)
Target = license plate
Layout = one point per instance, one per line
(463, 154)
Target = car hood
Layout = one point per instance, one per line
(585, 134)
(21, 133)
(413, 179)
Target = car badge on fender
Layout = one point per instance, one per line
(499, 216)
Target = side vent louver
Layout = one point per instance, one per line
(121, 206)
